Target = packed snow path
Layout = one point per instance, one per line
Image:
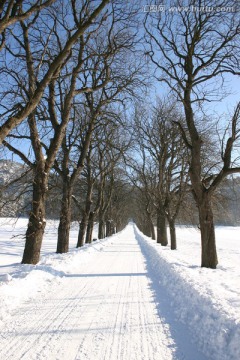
(106, 310)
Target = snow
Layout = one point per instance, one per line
(206, 300)
(124, 297)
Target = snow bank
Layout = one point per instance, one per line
(13, 293)
(215, 330)
(28, 280)
(204, 302)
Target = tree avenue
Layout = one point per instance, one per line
(82, 20)
(192, 51)
(96, 146)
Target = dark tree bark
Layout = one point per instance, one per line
(37, 221)
(209, 253)
(201, 195)
(82, 230)
(101, 228)
(151, 227)
(110, 228)
(85, 219)
(90, 228)
(65, 219)
(147, 228)
(161, 229)
(173, 234)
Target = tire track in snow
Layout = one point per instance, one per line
(104, 312)
(93, 333)
(47, 322)
(111, 303)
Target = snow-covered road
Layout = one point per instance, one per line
(101, 309)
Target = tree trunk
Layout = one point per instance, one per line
(82, 230)
(90, 228)
(161, 229)
(65, 219)
(37, 222)
(201, 196)
(85, 219)
(209, 252)
(148, 231)
(173, 234)
(118, 226)
(108, 228)
(153, 236)
(147, 226)
(101, 229)
(203, 201)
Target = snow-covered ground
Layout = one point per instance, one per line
(12, 232)
(125, 297)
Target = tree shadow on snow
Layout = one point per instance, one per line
(185, 349)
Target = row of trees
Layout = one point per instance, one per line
(65, 66)
(192, 51)
(161, 173)
(70, 70)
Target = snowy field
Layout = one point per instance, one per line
(122, 298)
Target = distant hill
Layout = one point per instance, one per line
(10, 170)
(16, 197)
(16, 191)
(15, 188)
(227, 202)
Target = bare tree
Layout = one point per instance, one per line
(142, 179)
(15, 188)
(121, 204)
(70, 142)
(12, 12)
(162, 172)
(55, 120)
(87, 206)
(70, 170)
(110, 149)
(192, 50)
(119, 83)
(41, 68)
